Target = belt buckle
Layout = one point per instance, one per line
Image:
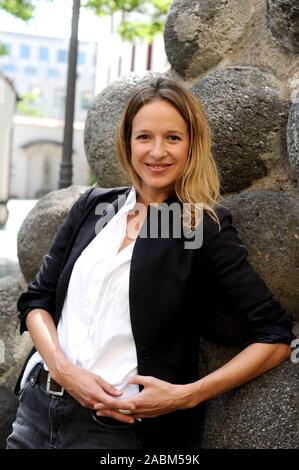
(50, 390)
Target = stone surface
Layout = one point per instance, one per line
(261, 414)
(12, 345)
(283, 20)
(247, 110)
(268, 224)
(13, 350)
(199, 33)
(293, 136)
(101, 126)
(8, 408)
(257, 48)
(40, 226)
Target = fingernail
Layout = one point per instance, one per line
(98, 413)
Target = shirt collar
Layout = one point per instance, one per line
(131, 200)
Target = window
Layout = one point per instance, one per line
(61, 55)
(81, 58)
(30, 70)
(86, 97)
(24, 51)
(8, 68)
(43, 54)
(53, 73)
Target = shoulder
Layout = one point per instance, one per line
(211, 228)
(94, 195)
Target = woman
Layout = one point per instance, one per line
(117, 307)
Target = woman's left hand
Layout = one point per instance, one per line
(157, 397)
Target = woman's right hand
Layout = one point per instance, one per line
(89, 388)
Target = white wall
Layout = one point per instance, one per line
(36, 163)
(49, 87)
(111, 48)
(7, 108)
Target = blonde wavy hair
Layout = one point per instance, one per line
(200, 180)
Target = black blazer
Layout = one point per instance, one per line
(175, 295)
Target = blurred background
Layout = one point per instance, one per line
(111, 38)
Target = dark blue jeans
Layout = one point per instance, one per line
(46, 421)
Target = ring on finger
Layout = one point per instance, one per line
(125, 412)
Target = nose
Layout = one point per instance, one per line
(158, 149)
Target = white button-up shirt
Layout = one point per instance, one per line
(94, 329)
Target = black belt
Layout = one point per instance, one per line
(53, 388)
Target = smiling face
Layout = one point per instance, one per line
(159, 147)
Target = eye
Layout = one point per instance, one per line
(173, 137)
(143, 137)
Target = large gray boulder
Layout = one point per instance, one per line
(283, 20)
(40, 226)
(268, 224)
(12, 345)
(199, 33)
(13, 350)
(293, 136)
(101, 127)
(248, 111)
(261, 414)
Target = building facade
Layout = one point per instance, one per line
(38, 67)
(8, 98)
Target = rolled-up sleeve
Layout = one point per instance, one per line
(263, 318)
(41, 291)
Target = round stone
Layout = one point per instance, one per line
(40, 226)
(268, 224)
(101, 126)
(261, 414)
(248, 111)
(199, 33)
(283, 21)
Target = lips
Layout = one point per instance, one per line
(158, 165)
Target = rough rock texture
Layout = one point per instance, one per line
(8, 408)
(247, 111)
(283, 20)
(199, 33)
(261, 414)
(41, 224)
(257, 48)
(13, 350)
(293, 136)
(10, 290)
(268, 224)
(101, 126)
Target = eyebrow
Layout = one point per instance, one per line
(169, 131)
